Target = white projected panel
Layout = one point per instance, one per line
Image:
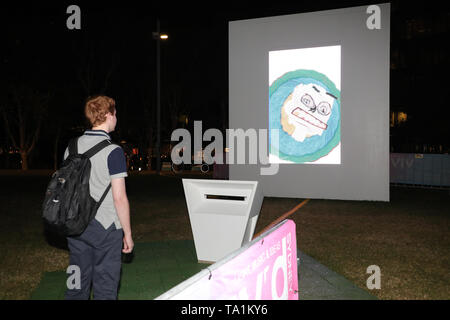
(321, 81)
(304, 105)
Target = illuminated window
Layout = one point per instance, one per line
(402, 117)
(397, 118)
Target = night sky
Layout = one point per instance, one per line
(114, 54)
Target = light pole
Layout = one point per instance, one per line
(158, 36)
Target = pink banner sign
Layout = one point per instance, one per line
(264, 269)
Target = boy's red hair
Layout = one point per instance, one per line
(97, 107)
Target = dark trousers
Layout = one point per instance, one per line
(97, 252)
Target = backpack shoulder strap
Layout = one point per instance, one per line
(98, 147)
(103, 195)
(91, 152)
(73, 146)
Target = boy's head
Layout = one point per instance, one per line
(101, 110)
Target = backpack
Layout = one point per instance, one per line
(68, 207)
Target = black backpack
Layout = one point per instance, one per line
(68, 206)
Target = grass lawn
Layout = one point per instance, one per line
(408, 238)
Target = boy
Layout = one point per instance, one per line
(97, 251)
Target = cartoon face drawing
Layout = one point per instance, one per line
(306, 111)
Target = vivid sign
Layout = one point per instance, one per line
(264, 269)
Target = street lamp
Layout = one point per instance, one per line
(158, 36)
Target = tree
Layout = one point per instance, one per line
(148, 125)
(23, 111)
(95, 62)
(92, 77)
(174, 104)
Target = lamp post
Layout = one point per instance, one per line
(158, 36)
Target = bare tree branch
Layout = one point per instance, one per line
(29, 107)
(111, 69)
(8, 129)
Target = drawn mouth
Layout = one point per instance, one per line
(309, 118)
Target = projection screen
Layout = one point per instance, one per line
(321, 80)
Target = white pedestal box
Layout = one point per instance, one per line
(223, 215)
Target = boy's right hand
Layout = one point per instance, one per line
(128, 244)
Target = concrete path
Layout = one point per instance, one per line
(317, 282)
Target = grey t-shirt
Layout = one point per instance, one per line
(106, 165)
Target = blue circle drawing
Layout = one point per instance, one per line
(312, 148)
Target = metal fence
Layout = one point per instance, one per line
(420, 169)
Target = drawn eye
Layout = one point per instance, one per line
(324, 108)
(308, 101)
